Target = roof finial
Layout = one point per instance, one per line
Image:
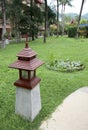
(26, 44)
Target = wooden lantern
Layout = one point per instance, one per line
(27, 64)
(27, 86)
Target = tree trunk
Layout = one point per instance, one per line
(62, 13)
(57, 18)
(33, 37)
(18, 37)
(79, 17)
(3, 24)
(46, 20)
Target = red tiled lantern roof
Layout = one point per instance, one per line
(27, 52)
(27, 65)
(26, 60)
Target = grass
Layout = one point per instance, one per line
(55, 86)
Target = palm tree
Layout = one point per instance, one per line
(64, 3)
(3, 23)
(80, 16)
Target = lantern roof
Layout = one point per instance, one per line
(27, 65)
(26, 60)
(27, 53)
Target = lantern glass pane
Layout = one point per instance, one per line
(24, 74)
(31, 74)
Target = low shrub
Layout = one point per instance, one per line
(72, 31)
(65, 66)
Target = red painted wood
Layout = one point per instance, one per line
(27, 65)
(26, 83)
(27, 61)
(27, 52)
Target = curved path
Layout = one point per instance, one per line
(72, 114)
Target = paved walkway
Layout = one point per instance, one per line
(72, 114)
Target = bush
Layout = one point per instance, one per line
(53, 29)
(13, 35)
(87, 31)
(83, 31)
(6, 35)
(72, 31)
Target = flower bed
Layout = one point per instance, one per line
(65, 66)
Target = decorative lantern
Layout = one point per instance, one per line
(27, 64)
(28, 102)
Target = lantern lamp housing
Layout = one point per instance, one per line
(27, 64)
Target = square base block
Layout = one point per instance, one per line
(28, 102)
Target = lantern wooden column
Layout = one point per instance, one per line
(28, 100)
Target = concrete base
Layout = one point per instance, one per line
(28, 102)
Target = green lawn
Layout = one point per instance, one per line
(55, 86)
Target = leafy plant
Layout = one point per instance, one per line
(72, 31)
(65, 66)
(51, 59)
(6, 35)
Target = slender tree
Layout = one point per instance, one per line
(57, 18)
(46, 20)
(79, 18)
(3, 23)
(64, 3)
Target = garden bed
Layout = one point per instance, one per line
(65, 65)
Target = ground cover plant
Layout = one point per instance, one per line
(64, 65)
(54, 86)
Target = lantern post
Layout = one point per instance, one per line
(28, 100)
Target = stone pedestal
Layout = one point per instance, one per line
(28, 102)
